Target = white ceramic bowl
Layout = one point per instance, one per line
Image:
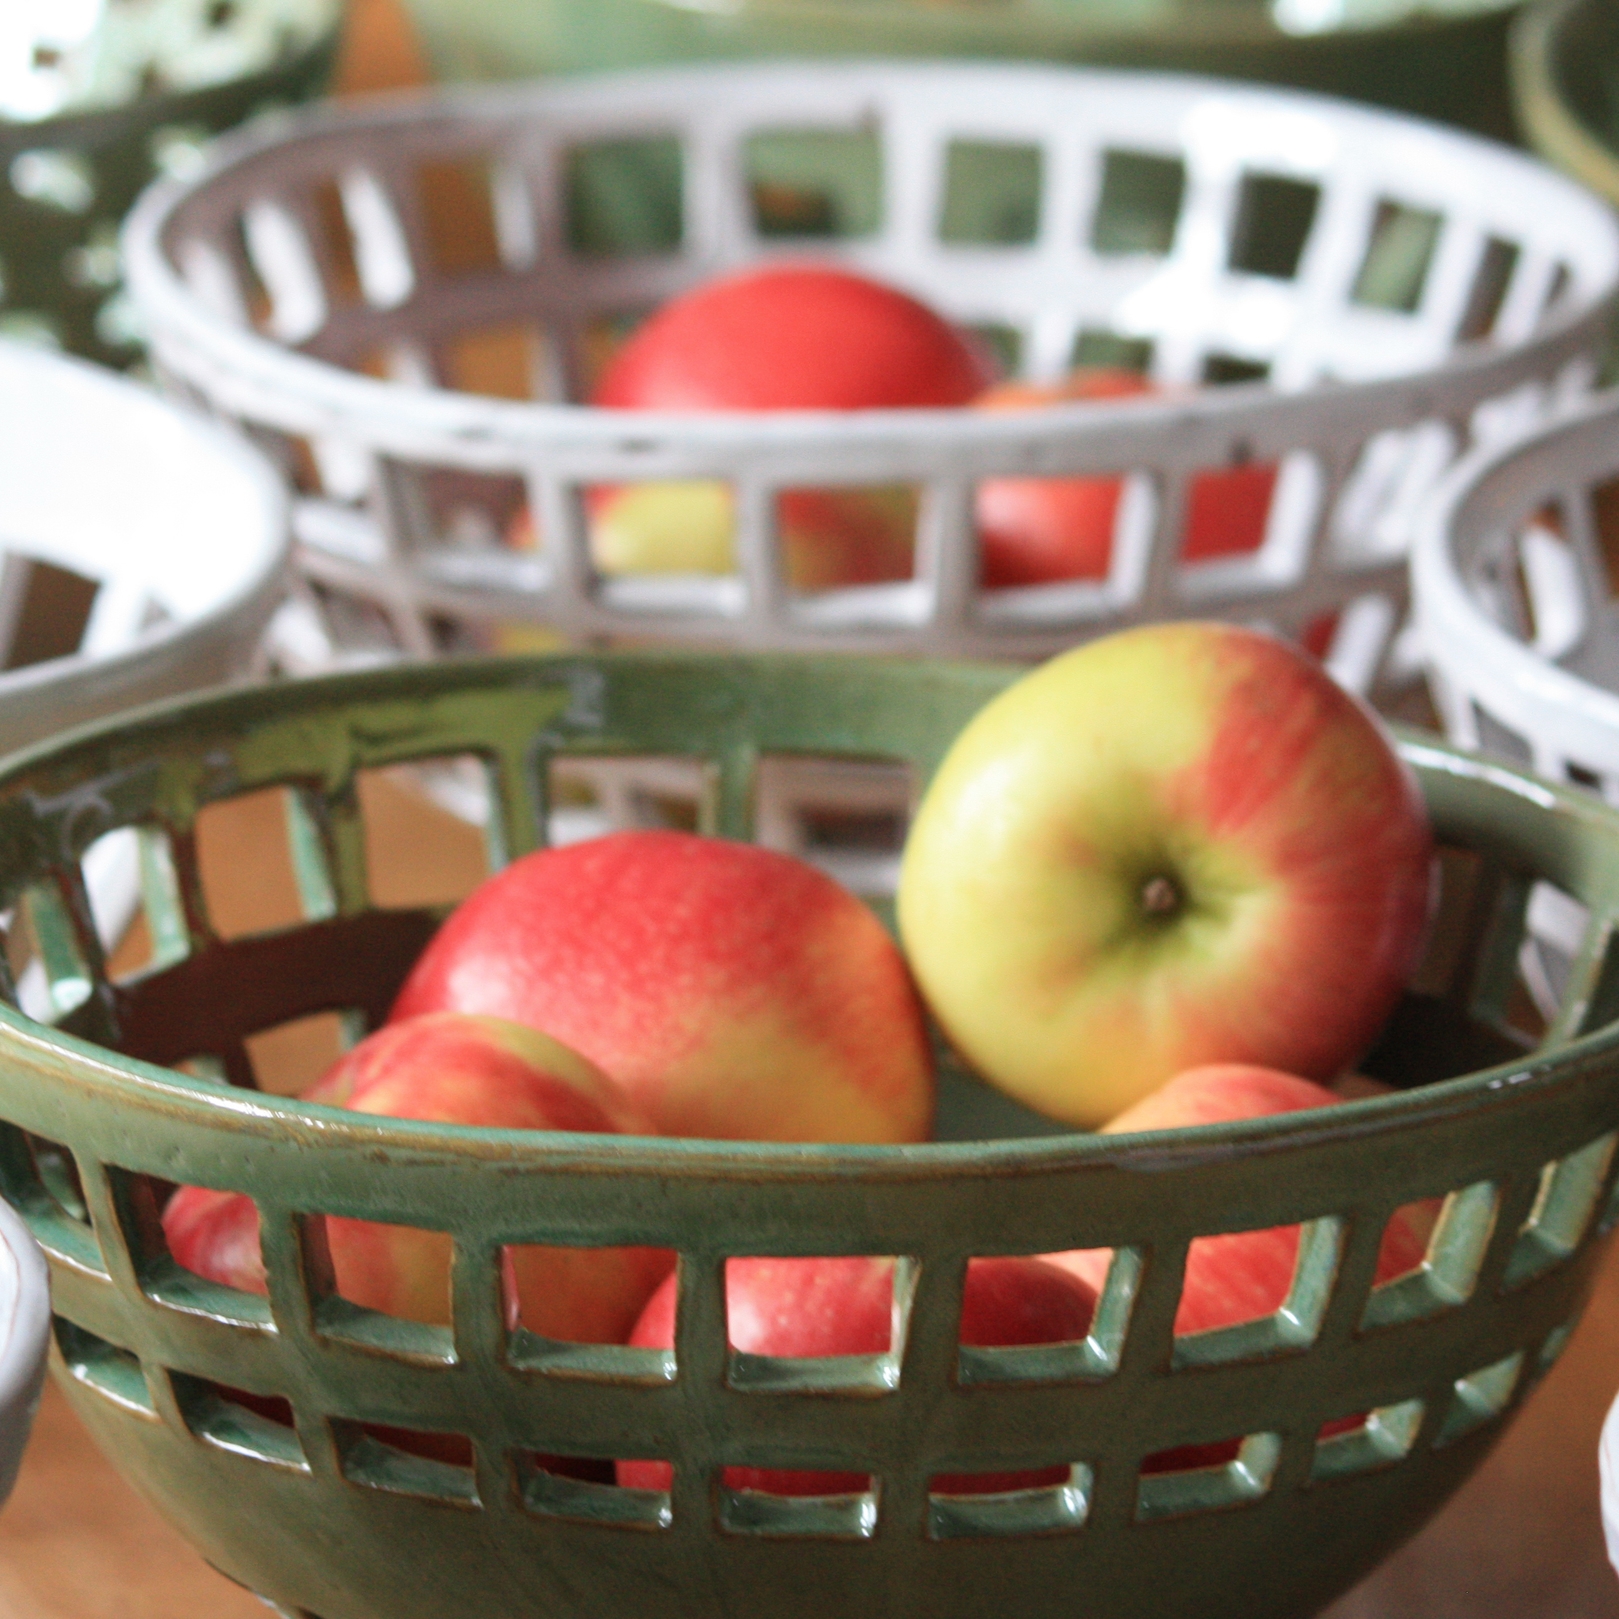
(25, 1319)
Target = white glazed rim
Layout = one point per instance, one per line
(303, 394)
(1559, 710)
(251, 515)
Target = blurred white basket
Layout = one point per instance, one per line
(142, 551)
(1404, 289)
(1515, 568)
(1513, 580)
(25, 1320)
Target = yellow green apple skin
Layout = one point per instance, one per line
(1176, 845)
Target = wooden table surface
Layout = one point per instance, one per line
(1522, 1539)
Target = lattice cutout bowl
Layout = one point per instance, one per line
(270, 1428)
(95, 102)
(355, 284)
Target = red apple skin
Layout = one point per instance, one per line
(843, 1306)
(1038, 531)
(450, 1069)
(793, 337)
(1238, 1276)
(786, 337)
(729, 991)
(1179, 844)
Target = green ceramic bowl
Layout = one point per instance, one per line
(1565, 80)
(286, 1436)
(1445, 61)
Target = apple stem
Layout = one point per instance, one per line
(1160, 896)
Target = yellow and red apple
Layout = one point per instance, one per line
(1178, 844)
(788, 336)
(727, 990)
(451, 1069)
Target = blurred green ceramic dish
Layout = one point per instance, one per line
(1444, 61)
(1565, 81)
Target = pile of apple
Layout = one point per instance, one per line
(816, 337)
(1171, 877)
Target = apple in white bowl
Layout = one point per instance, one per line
(1176, 845)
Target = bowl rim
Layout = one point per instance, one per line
(93, 1069)
(484, 433)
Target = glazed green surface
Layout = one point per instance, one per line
(323, 1518)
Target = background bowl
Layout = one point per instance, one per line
(286, 1434)
(1403, 289)
(1444, 61)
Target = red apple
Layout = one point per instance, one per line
(451, 1069)
(792, 337)
(1035, 531)
(728, 990)
(779, 337)
(1244, 1275)
(1237, 1276)
(844, 1306)
(1175, 845)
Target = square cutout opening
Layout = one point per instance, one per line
(1039, 1501)
(787, 1501)
(1422, 1276)
(833, 1325)
(1046, 1318)
(1367, 1442)
(194, 1248)
(590, 795)
(991, 194)
(44, 610)
(282, 885)
(1480, 1399)
(458, 215)
(289, 1058)
(1103, 350)
(572, 1309)
(1491, 282)
(1253, 1294)
(500, 362)
(847, 816)
(1274, 217)
(135, 902)
(633, 1494)
(335, 243)
(112, 1372)
(380, 1286)
(1228, 512)
(843, 537)
(428, 826)
(40, 1179)
(1565, 1202)
(624, 198)
(1188, 1479)
(46, 956)
(1003, 344)
(420, 1462)
(1399, 252)
(257, 1426)
(1139, 204)
(814, 183)
(1044, 531)
(662, 532)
